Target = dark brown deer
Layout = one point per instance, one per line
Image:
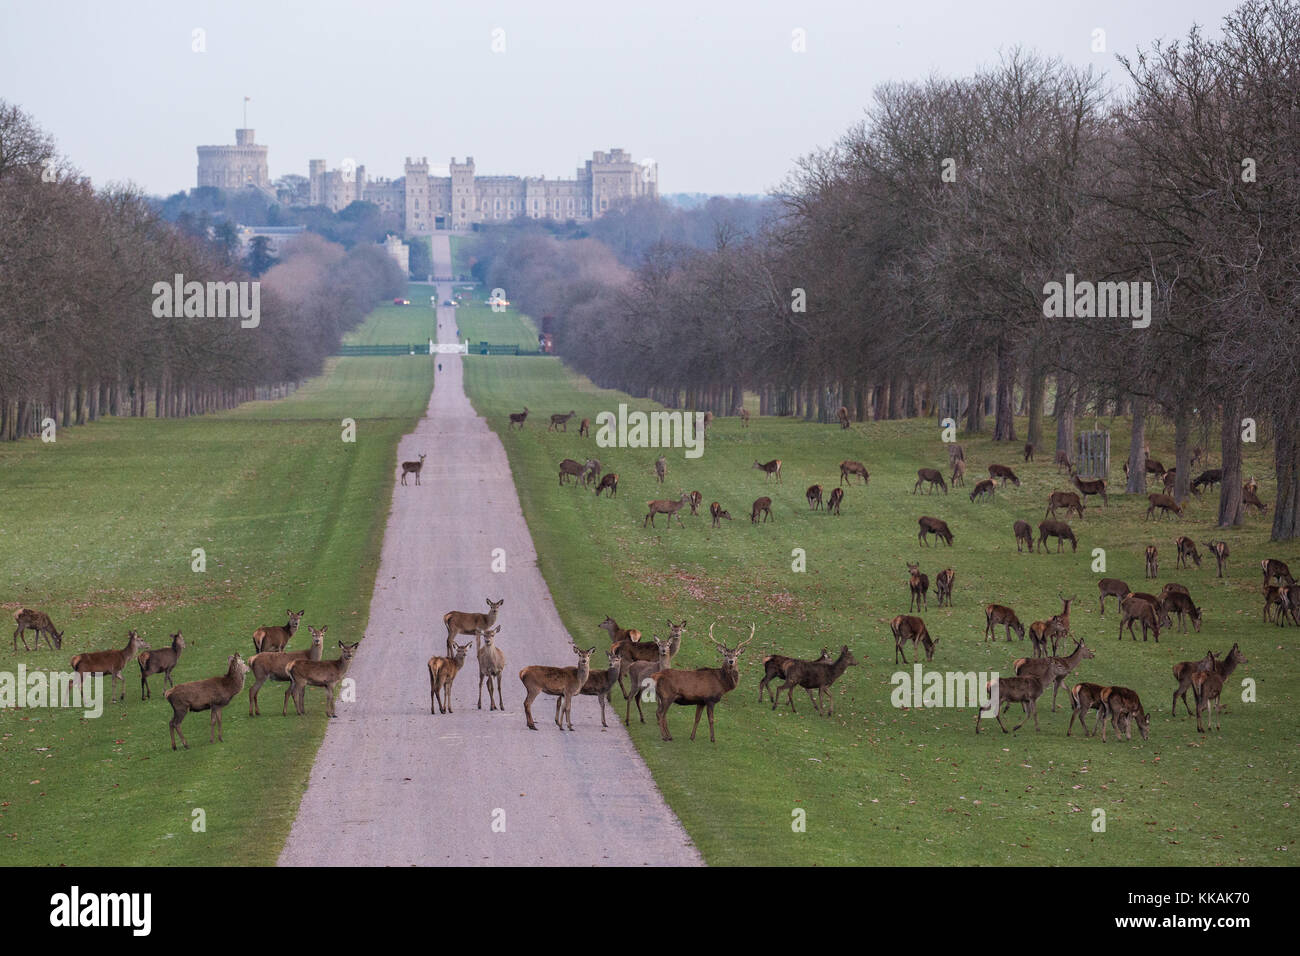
(1207, 479)
(959, 473)
(619, 634)
(932, 476)
(843, 415)
(590, 471)
(1187, 553)
(271, 665)
(1135, 609)
(1038, 638)
(442, 675)
(703, 687)
(1207, 686)
(761, 506)
(1274, 568)
(1220, 551)
(413, 468)
(1053, 670)
(814, 496)
(570, 469)
(1152, 561)
(1183, 672)
(584, 428)
(1089, 487)
(668, 508)
(1064, 499)
(696, 498)
(744, 416)
(1059, 530)
(1024, 536)
(1063, 461)
(599, 684)
(1112, 587)
(26, 619)
(983, 489)
(638, 651)
(906, 628)
(327, 674)
(468, 622)
(1004, 474)
(771, 469)
(1029, 451)
(1164, 504)
(943, 585)
(1280, 598)
(108, 662)
(273, 638)
(212, 694)
(933, 526)
(850, 468)
(1123, 707)
(160, 661)
(1197, 452)
(999, 615)
(491, 665)
(560, 421)
(661, 469)
(610, 482)
(1251, 500)
(640, 670)
(518, 418)
(1083, 698)
(1175, 602)
(718, 514)
(774, 666)
(811, 675)
(837, 499)
(708, 422)
(919, 584)
(1060, 624)
(1005, 691)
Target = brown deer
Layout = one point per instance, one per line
(640, 670)
(1063, 461)
(1187, 553)
(1064, 499)
(491, 664)
(1134, 610)
(1165, 504)
(837, 499)
(634, 652)
(610, 482)
(560, 421)
(1112, 587)
(1051, 528)
(1024, 536)
(517, 418)
(1053, 670)
(814, 496)
(1038, 638)
(919, 584)
(696, 498)
(590, 471)
(943, 585)
(932, 476)
(703, 687)
(770, 469)
(1003, 474)
(774, 666)
(1122, 706)
(933, 526)
(959, 472)
(1060, 623)
(1005, 691)
(617, 634)
(1083, 698)
(955, 453)
(108, 662)
(570, 469)
(1274, 568)
(212, 694)
(1171, 476)
(761, 506)
(850, 468)
(1183, 672)
(811, 675)
(708, 421)
(160, 661)
(327, 674)
(1088, 487)
(271, 665)
(1207, 479)
(413, 468)
(669, 508)
(999, 615)
(983, 489)
(1220, 551)
(842, 414)
(26, 619)
(1175, 602)
(1029, 451)
(1152, 561)
(661, 469)
(744, 416)
(718, 513)
(584, 428)
(273, 638)
(1207, 686)
(562, 682)
(468, 622)
(442, 675)
(1197, 452)
(1251, 500)
(907, 628)
(599, 684)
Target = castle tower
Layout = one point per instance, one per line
(316, 177)
(233, 167)
(419, 218)
(464, 195)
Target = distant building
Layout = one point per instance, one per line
(278, 236)
(400, 251)
(234, 167)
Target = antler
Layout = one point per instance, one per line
(711, 638)
(746, 640)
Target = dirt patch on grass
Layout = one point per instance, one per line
(704, 589)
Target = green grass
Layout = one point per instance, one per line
(98, 531)
(478, 323)
(900, 786)
(461, 261)
(398, 324)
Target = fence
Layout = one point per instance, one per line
(482, 348)
(1092, 455)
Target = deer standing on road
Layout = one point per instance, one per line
(327, 674)
(562, 682)
(412, 468)
(442, 675)
(491, 664)
(469, 622)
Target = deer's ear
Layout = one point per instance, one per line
(325, 628)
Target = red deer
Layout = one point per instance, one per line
(413, 468)
(1064, 499)
(274, 638)
(1089, 487)
(955, 453)
(983, 489)
(160, 661)
(843, 415)
(1207, 479)
(837, 499)
(943, 585)
(1061, 623)
(1112, 587)
(668, 508)
(1038, 638)
(468, 622)
(442, 675)
(1024, 536)
(1153, 467)
(1153, 561)
(570, 469)
(1083, 698)
(1134, 610)
(1005, 474)
(761, 506)
(1053, 670)
(1165, 504)
(1063, 461)
(959, 473)
(109, 662)
(703, 687)
(609, 481)
(1186, 549)
(744, 416)
(1220, 551)
(696, 498)
(560, 421)
(1274, 568)
(919, 584)
(708, 420)
(327, 674)
(633, 652)
(1183, 672)
(1029, 452)
(1197, 452)
(26, 619)
(590, 471)
(812, 675)
(774, 666)
(1171, 476)
(517, 418)
(1175, 602)
(772, 468)
(640, 670)
(1207, 686)
(1279, 596)
(907, 628)
(562, 682)
(618, 634)
(999, 615)
(212, 693)
(584, 428)
(1058, 530)
(814, 496)
(599, 684)
(1005, 691)
(716, 511)
(933, 526)
(491, 664)
(661, 469)
(930, 475)
(850, 468)
(1250, 500)
(1122, 705)
(271, 665)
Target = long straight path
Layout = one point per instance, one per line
(394, 785)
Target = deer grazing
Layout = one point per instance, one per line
(907, 628)
(1112, 587)
(160, 661)
(560, 421)
(696, 498)
(1024, 536)
(1083, 698)
(640, 670)
(1064, 499)
(26, 619)
(774, 666)
(1274, 568)
(584, 428)
(1123, 707)
(1183, 672)
(442, 675)
(933, 526)
(1251, 500)
(590, 471)
(1187, 553)
(1053, 670)
(959, 473)
(1087, 487)
(1207, 686)
(469, 622)
(1176, 602)
(275, 638)
(212, 694)
(327, 674)
(837, 499)
(491, 664)
(561, 682)
(610, 482)
(1135, 609)
(983, 489)
(412, 468)
(517, 418)
(668, 508)
(943, 585)
(599, 684)
(634, 652)
(703, 687)
(1005, 691)
(1051, 528)
(842, 414)
(109, 662)
(814, 496)
(919, 584)
(1029, 451)
(761, 506)
(1164, 504)
(812, 675)
(850, 468)
(661, 469)
(717, 512)
(1063, 461)
(1279, 597)
(744, 416)
(1207, 479)
(570, 469)
(771, 469)
(272, 665)
(1220, 551)
(999, 615)
(1003, 474)
(932, 476)
(1152, 561)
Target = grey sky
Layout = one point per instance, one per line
(713, 91)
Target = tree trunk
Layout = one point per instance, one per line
(1286, 512)
(1182, 454)
(1230, 507)
(1037, 399)
(1137, 465)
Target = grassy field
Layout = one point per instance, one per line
(98, 530)
(901, 786)
(398, 324)
(478, 323)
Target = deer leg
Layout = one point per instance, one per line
(815, 701)
(212, 726)
(284, 710)
(661, 712)
(253, 709)
(480, 692)
(830, 701)
(144, 684)
(175, 728)
(528, 708)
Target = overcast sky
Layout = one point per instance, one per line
(711, 90)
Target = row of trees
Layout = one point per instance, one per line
(908, 270)
(79, 333)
